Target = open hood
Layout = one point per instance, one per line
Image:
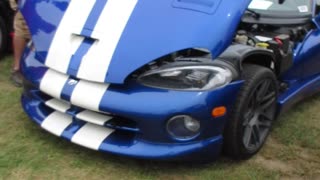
(106, 40)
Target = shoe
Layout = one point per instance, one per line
(16, 78)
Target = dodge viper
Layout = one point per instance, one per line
(168, 79)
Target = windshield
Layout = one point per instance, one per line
(292, 7)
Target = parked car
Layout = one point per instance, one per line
(168, 79)
(6, 19)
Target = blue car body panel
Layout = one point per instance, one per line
(154, 109)
(80, 102)
(306, 58)
(176, 29)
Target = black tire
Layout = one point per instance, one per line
(3, 37)
(253, 114)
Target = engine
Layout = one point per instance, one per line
(270, 37)
(281, 41)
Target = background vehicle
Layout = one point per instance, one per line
(6, 21)
(132, 80)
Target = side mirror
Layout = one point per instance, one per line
(281, 1)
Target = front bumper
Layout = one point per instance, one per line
(145, 110)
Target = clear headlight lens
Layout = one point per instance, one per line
(191, 78)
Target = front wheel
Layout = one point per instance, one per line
(253, 114)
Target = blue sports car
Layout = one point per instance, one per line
(168, 79)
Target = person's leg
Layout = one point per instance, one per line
(19, 44)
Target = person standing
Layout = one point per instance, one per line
(20, 40)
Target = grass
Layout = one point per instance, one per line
(27, 152)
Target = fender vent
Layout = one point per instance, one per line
(205, 6)
(208, 3)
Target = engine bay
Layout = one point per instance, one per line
(255, 34)
(280, 40)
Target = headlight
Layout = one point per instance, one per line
(183, 127)
(190, 78)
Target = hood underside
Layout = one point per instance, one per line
(106, 40)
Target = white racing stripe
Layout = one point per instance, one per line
(93, 117)
(65, 43)
(91, 136)
(52, 83)
(108, 31)
(59, 105)
(88, 95)
(56, 123)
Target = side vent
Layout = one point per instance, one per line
(205, 6)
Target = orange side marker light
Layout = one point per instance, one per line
(219, 111)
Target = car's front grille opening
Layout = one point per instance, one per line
(123, 124)
(80, 114)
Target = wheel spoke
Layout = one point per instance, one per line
(247, 136)
(269, 96)
(254, 100)
(256, 134)
(265, 123)
(266, 104)
(247, 117)
(265, 117)
(263, 89)
(251, 104)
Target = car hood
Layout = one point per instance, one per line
(107, 40)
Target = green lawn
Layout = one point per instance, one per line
(27, 152)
